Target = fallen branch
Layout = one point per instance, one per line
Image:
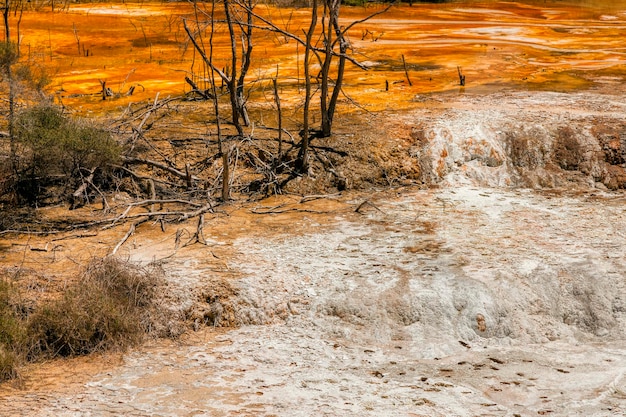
(197, 90)
(308, 198)
(278, 210)
(200, 211)
(142, 177)
(367, 203)
(171, 170)
(75, 236)
(128, 234)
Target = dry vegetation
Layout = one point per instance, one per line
(111, 305)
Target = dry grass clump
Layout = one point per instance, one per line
(12, 334)
(106, 309)
(113, 305)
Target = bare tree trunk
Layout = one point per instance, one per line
(246, 53)
(279, 115)
(341, 66)
(327, 30)
(9, 71)
(220, 140)
(303, 156)
(232, 79)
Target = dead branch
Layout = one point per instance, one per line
(461, 77)
(75, 236)
(128, 234)
(313, 197)
(169, 201)
(78, 197)
(201, 210)
(406, 71)
(273, 28)
(141, 177)
(198, 237)
(171, 170)
(29, 232)
(367, 203)
(282, 208)
(195, 89)
(178, 215)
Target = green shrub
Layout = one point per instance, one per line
(58, 150)
(60, 145)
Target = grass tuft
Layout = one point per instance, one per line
(113, 305)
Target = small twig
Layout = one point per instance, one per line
(75, 236)
(308, 198)
(367, 203)
(128, 234)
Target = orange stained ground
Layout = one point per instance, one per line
(546, 45)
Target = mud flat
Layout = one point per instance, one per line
(458, 302)
(487, 294)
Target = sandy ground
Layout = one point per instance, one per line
(476, 297)
(461, 301)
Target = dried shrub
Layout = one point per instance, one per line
(108, 308)
(12, 332)
(113, 305)
(34, 76)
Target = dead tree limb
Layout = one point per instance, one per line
(367, 203)
(406, 71)
(128, 234)
(171, 170)
(314, 197)
(196, 89)
(461, 77)
(207, 207)
(79, 197)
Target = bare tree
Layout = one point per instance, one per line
(238, 17)
(198, 42)
(303, 157)
(9, 57)
(332, 36)
(334, 48)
